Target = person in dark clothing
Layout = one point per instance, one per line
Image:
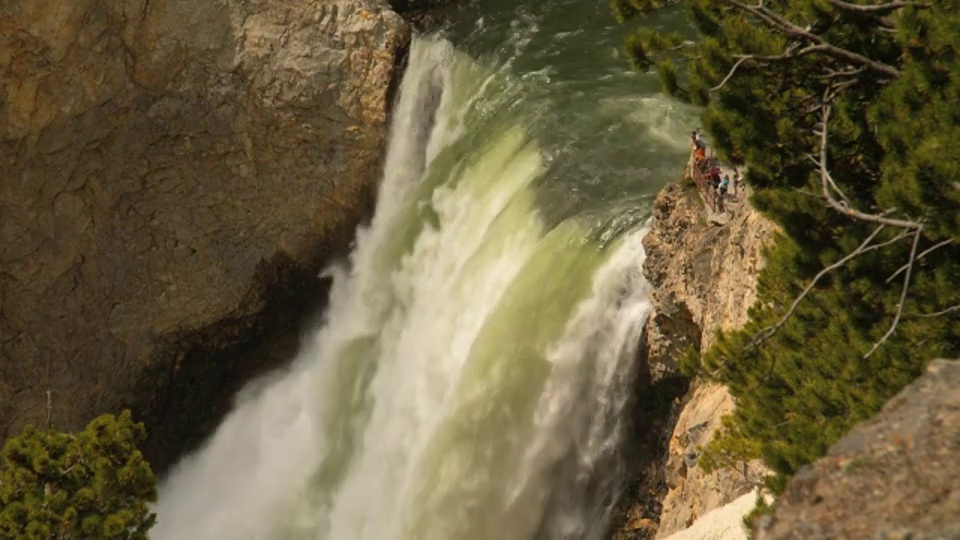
(719, 194)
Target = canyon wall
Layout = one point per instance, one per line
(704, 278)
(175, 175)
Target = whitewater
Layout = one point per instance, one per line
(471, 374)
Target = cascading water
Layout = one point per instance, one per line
(469, 378)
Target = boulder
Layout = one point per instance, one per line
(892, 477)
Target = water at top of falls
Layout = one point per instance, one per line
(471, 374)
(608, 134)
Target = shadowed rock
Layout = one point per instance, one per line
(175, 173)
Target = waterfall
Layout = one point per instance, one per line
(469, 377)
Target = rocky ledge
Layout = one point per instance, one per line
(704, 279)
(175, 174)
(892, 477)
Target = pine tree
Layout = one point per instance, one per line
(845, 115)
(95, 484)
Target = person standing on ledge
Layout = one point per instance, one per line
(722, 192)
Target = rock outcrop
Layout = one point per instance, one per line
(704, 276)
(704, 279)
(894, 476)
(168, 167)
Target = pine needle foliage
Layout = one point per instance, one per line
(765, 73)
(95, 484)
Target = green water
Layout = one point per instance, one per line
(610, 138)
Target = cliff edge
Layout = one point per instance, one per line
(704, 279)
(175, 175)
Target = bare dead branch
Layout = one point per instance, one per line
(836, 87)
(775, 21)
(864, 247)
(833, 73)
(903, 293)
(922, 254)
(950, 309)
(826, 181)
(806, 193)
(915, 226)
(788, 53)
(878, 8)
(732, 71)
(830, 181)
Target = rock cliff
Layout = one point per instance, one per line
(891, 477)
(894, 476)
(175, 173)
(704, 279)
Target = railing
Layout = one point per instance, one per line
(701, 179)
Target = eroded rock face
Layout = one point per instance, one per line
(895, 476)
(704, 278)
(693, 492)
(166, 165)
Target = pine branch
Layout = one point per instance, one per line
(828, 187)
(865, 247)
(786, 55)
(903, 294)
(827, 183)
(777, 22)
(923, 254)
